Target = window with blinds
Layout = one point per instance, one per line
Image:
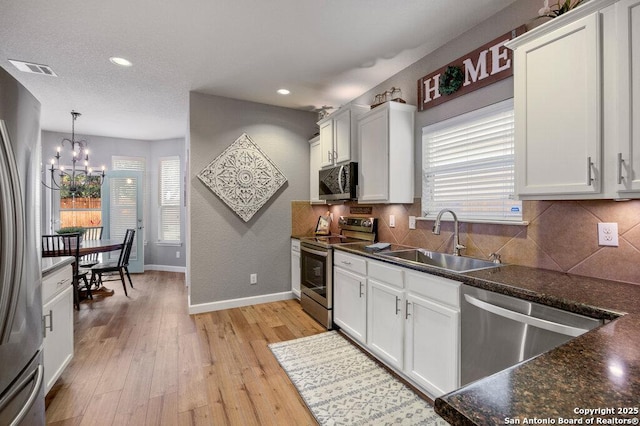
(468, 166)
(169, 200)
(136, 164)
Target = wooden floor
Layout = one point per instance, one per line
(143, 360)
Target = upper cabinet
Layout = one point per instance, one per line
(574, 93)
(628, 159)
(386, 143)
(338, 136)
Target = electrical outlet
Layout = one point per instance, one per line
(608, 234)
(253, 279)
(412, 222)
(177, 255)
(392, 221)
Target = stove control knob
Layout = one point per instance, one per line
(366, 223)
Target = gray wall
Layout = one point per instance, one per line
(101, 150)
(519, 13)
(224, 249)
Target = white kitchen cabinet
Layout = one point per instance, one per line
(628, 37)
(558, 101)
(57, 311)
(385, 319)
(315, 160)
(386, 144)
(338, 142)
(432, 339)
(577, 104)
(295, 267)
(350, 299)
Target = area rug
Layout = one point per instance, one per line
(343, 386)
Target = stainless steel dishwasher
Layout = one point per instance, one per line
(500, 331)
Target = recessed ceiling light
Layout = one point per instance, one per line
(283, 91)
(120, 61)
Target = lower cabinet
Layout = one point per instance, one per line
(409, 320)
(385, 320)
(350, 303)
(57, 312)
(432, 333)
(295, 267)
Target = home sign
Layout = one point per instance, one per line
(485, 65)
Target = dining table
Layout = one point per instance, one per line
(99, 246)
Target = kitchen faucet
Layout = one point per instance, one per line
(456, 238)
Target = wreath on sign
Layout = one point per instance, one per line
(451, 80)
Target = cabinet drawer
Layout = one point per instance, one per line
(355, 264)
(435, 288)
(56, 282)
(386, 273)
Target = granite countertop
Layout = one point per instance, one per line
(597, 370)
(51, 264)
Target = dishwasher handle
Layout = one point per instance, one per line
(567, 330)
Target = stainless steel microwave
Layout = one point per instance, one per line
(339, 182)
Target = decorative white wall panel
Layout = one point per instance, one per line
(243, 177)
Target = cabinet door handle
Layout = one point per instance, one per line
(406, 309)
(44, 323)
(329, 156)
(346, 262)
(361, 293)
(397, 306)
(589, 166)
(620, 165)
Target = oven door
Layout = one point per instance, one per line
(316, 274)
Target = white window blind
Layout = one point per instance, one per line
(169, 198)
(137, 164)
(468, 166)
(123, 209)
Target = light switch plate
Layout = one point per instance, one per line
(412, 222)
(392, 221)
(608, 234)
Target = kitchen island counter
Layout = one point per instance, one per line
(597, 370)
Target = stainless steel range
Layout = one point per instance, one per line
(316, 260)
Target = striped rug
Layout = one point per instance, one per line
(343, 386)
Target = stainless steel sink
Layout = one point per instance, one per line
(441, 260)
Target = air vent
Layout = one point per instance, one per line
(33, 68)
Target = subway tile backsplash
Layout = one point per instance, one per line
(561, 235)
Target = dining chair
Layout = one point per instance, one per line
(91, 233)
(68, 245)
(121, 266)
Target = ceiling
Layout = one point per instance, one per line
(326, 52)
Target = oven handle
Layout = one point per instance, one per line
(316, 252)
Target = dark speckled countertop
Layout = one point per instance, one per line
(597, 370)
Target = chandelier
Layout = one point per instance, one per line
(80, 180)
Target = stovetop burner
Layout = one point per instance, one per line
(353, 230)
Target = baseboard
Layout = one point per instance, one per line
(237, 303)
(165, 268)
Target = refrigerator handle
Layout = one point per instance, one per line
(11, 235)
(35, 376)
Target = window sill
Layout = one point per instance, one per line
(490, 222)
(169, 243)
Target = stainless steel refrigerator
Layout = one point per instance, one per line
(21, 368)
